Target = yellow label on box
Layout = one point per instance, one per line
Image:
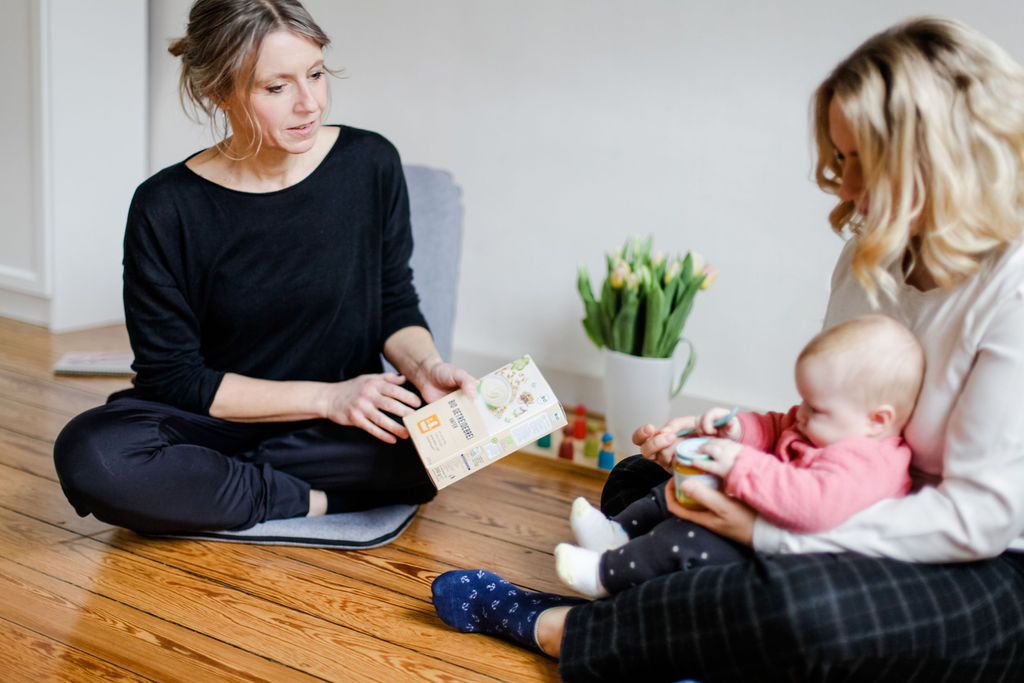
(428, 423)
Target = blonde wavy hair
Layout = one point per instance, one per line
(937, 113)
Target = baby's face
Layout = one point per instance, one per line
(828, 413)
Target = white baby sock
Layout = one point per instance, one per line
(593, 530)
(580, 569)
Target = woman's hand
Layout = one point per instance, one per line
(361, 402)
(411, 350)
(725, 516)
(438, 379)
(659, 445)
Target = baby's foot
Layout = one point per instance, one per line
(481, 601)
(593, 530)
(580, 569)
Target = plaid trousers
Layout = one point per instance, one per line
(820, 617)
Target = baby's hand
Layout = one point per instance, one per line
(723, 453)
(730, 430)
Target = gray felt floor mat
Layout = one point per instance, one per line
(346, 530)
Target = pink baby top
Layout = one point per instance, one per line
(800, 487)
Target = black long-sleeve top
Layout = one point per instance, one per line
(304, 283)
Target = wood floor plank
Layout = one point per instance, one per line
(499, 519)
(37, 344)
(561, 475)
(41, 591)
(27, 453)
(394, 605)
(44, 500)
(51, 395)
(32, 658)
(81, 600)
(28, 420)
(532, 491)
(32, 350)
(122, 636)
(40, 371)
(300, 640)
(461, 549)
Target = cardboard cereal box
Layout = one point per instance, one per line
(456, 436)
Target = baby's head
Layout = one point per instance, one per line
(859, 379)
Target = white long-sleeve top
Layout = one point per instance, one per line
(967, 432)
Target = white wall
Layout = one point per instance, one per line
(21, 246)
(572, 124)
(94, 151)
(73, 134)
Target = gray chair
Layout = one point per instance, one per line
(435, 205)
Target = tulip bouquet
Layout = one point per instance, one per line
(645, 299)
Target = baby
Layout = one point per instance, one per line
(807, 470)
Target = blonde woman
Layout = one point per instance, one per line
(920, 135)
(263, 278)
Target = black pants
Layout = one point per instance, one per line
(156, 469)
(820, 617)
(661, 543)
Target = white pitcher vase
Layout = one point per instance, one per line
(637, 391)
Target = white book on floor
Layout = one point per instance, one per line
(105, 363)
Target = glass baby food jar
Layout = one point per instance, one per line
(686, 455)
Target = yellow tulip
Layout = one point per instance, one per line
(619, 274)
(710, 275)
(672, 271)
(698, 262)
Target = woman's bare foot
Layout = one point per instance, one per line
(317, 503)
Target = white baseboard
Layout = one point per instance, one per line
(38, 310)
(29, 308)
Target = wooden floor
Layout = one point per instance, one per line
(81, 600)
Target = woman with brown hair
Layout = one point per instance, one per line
(263, 279)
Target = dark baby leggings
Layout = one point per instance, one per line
(661, 543)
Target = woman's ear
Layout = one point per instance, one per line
(881, 420)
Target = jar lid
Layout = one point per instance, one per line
(686, 450)
(690, 459)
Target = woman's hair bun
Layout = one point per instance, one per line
(178, 47)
